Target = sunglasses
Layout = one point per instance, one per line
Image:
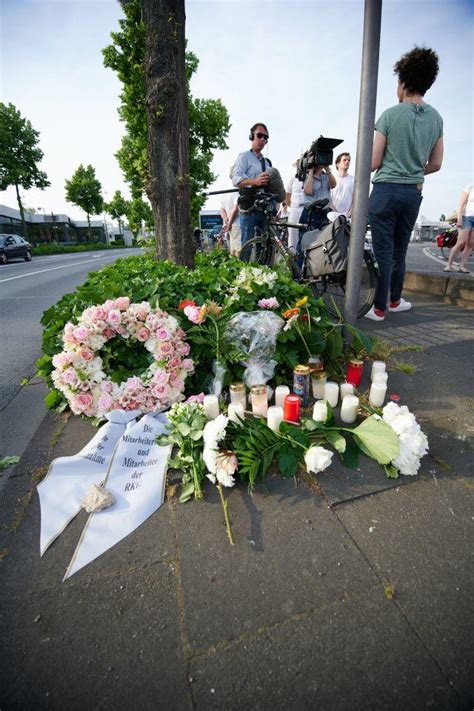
(263, 135)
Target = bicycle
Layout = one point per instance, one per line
(269, 249)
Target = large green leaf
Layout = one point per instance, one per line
(377, 439)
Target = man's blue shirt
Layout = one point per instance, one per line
(247, 166)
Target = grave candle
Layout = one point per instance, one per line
(211, 406)
(237, 393)
(355, 368)
(331, 393)
(274, 417)
(291, 408)
(318, 381)
(380, 378)
(346, 389)
(258, 397)
(349, 408)
(235, 412)
(377, 394)
(320, 411)
(280, 394)
(378, 366)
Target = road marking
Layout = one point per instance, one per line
(427, 252)
(52, 269)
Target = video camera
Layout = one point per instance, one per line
(320, 153)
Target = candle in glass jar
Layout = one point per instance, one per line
(258, 397)
(380, 378)
(274, 417)
(211, 406)
(377, 394)
(291, 408)
(349, 407)
(238, 394)
(331, 393)
(235, 412)
(355, 369)
(318, 381)
(280, 394)
(346, 389)
(320, 411)
(378, 366)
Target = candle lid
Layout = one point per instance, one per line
(314, 359)
(258, 389)
(356, 362)
(302, 370)
(292, 398)
(319, 375)
(236, 387)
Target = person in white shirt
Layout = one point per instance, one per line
(465, 225)
(342, 194)
(231, 219)
(294, 200)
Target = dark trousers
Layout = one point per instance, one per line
(248, 222)
(393, 209)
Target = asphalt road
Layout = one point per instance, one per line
(27, 289)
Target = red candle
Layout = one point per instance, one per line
(291, 408)
(354, 372)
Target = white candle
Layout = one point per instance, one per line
(331, 393)
(377, 394)
(211, 406)
(258, 396)
(349, 408)
(238, 394)
(281, 392)
(235, 412)
(378, 366)
(380, 378)
(274, 417)
(346, 389)
(320, 411)
(318, 382)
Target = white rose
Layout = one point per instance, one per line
(317, 459)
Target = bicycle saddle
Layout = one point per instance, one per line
(318, 204)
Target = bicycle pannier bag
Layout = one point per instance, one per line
(326, 249)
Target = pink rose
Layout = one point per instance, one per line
(192, 312)
(114, 317)
(82, 401)
(133, 382)
(69, 328)
(109, 304)
(165, 348)
(108, 333)
(86, 354)
(60, 360)
(81, 333)
(160, 378)
(187, 364)
(185, 348)
(107, 387)
(69, 338)
(100, 313)
(163, 334)
(271, 303)
(142, 313)
(70, 377)
(174, 362)
(105, 403)
(195, 398)
(122, 303)
(143, 334)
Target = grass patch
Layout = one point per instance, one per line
(46, 249)
(384, 350)
(404, 367)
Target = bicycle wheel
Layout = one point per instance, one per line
(258, 250)
(332, 288)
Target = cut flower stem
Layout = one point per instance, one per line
(228, 524)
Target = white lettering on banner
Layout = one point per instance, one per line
(136, 479)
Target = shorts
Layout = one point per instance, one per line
(468, 222)
(235, 240)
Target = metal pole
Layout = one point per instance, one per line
(368, 97)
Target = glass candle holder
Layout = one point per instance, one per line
(349, 407)
(238, 393)
(331, 393)
(378, 366)
(318, 381)
(235, 412)
(355, 368)
(211, 406)
(274, 417)
(346, 389)
(258, 397)
(291, 408)
(377, 394)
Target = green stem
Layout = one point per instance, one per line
(217, 339)
(226, 515)
(197, 483)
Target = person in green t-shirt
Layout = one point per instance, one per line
(408, 145)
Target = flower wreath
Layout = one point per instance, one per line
(79, 372)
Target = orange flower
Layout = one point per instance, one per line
(213, 309)
(202, 314)
(291, 312)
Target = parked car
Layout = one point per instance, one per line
(14, 246)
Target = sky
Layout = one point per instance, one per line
(295, 65)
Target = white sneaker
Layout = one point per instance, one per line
(402, 306)
(373, 316)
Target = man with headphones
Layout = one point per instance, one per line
(250, 170)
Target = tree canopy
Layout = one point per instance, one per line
(117, 208)
(85, 191)
(19, 155)
(208, 118)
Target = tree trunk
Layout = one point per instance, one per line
(168, 186)
(89, 227)
(22, 213)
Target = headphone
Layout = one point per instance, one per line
(252, 130)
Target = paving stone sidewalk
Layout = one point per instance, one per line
(350, 591)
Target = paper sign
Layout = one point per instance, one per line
(136, 479)
(69, 478)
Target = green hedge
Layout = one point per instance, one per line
(45, 249)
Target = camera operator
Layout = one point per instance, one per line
(317, 186)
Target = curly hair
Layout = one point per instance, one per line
(417, 70)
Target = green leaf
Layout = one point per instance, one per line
(336, 440)
(391, 471)
(334, 346)
(8, 461)
(187, 492)
(376, 437)
(196, 435)
(350, 456)
(288, 463)
(361, 339)
(184, 429)
(52, 399)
